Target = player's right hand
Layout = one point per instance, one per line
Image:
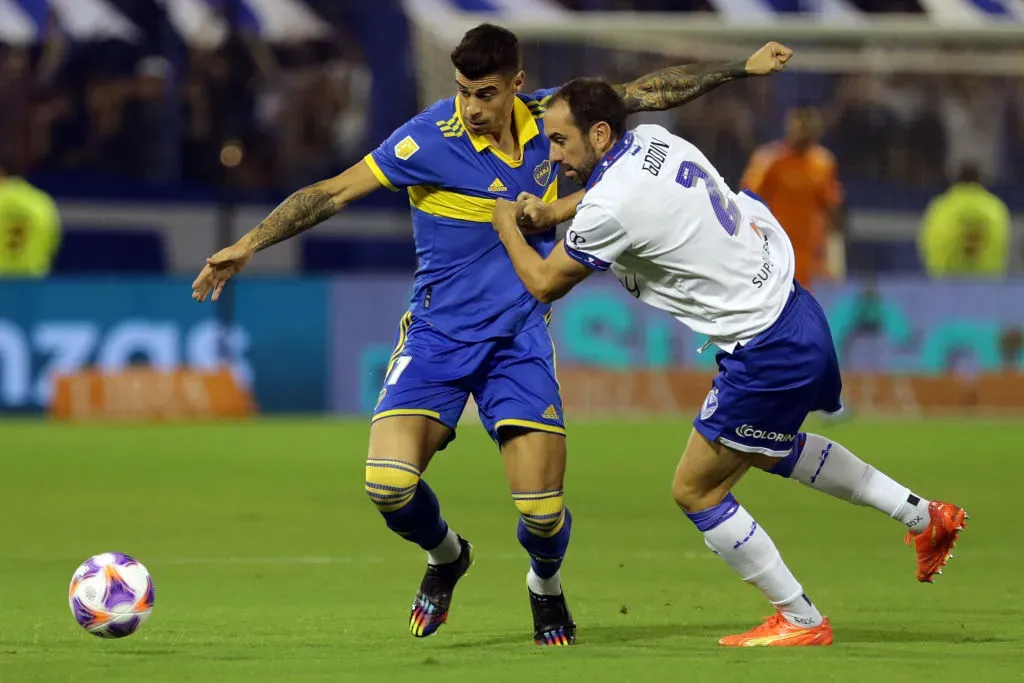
(770, 58)
(219, 269)
(533, 214)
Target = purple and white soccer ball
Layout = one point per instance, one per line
(111, 595)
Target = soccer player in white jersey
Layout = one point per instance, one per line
(658, 214)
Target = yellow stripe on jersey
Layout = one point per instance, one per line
(448, 204)
(379, 174)
(452, 128)
(551, 193)
(538, 107)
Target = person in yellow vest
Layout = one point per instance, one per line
(966, 231)
(29, 229)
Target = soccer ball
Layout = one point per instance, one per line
(111, 595)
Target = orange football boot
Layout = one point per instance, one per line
(934, 545)
(777, 632)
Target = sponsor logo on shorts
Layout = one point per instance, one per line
(710, 404)
(750, 432)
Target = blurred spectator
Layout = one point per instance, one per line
(966, 231)
(29, 229)
(972, 111)
(798, 179)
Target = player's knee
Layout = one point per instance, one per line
(691, 497)
(542, 512)
(391, 484)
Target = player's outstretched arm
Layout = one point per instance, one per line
(547, 279)
(305, 208)
(678, 85)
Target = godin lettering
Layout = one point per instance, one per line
(755, 433)
(655, 157)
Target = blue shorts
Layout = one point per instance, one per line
(511, 379)
(765, 390)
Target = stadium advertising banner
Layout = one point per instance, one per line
(906, 345)
(276, 342)
(309, 345)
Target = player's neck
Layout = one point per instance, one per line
(508, 141)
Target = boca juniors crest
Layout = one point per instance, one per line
(542, 173)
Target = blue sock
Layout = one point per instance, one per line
(546, 553)
(705, 520)
(419, 520)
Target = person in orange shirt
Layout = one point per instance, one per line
(798, 180)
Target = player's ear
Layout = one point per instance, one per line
(600, 136)
(518, 80)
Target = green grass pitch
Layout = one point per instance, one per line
(271, 565)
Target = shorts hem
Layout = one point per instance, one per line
(835, 413)
(528, 424)
(761, 450)
(409, 412)
(417, 412)
(707, 432)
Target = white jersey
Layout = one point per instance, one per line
(677, 238)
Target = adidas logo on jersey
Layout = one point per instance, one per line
(497, 186)
(550, 413)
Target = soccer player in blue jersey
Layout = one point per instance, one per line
(472, 327)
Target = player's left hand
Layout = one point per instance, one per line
(505, 215)
(770, 58)
(533, 214)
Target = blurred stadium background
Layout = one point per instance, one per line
(165, 129)
(139, 136)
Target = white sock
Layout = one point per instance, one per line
(830, 467)
(549, 586)
(747, 548)
(447, 552)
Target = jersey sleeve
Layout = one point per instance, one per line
(410, 156)
(539, 100)
(595, 238)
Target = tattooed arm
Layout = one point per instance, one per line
(311, 206)
(300, 212)
(678, 85)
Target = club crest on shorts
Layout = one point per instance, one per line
(710, 404)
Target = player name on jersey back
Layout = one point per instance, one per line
(659, 215)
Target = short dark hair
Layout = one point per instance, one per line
(592, 100)
(969, 173)
(487, 50)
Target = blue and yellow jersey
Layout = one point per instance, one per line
(466, 286)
